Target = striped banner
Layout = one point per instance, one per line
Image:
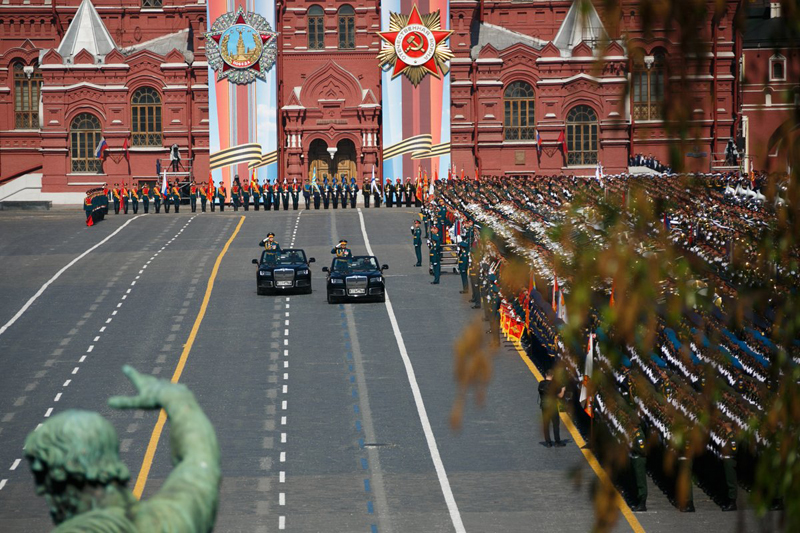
(243, 153)
(437, 150)
(412, 145)
(266, 159)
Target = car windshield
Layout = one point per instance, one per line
(287, 257)
(353, 264)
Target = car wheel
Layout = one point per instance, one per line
(382, 298)
(307, 290)
(260, 291)
(330, 299)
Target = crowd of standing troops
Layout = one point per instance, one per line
(275, 195)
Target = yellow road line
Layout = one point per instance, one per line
(587, 453)
(144, 471)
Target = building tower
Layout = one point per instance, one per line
(329, 87)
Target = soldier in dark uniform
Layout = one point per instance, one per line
(474, 278)
(398, 193)
(353, 193)
(267, 196)
(436, 255)
(388, 192)
(222, 195)
(147, 195)
(336, 192)
(236, 193)
(463, 265)
(133, 196)
(176, 197)
(728, 456)
(167, 197)
(193, 196)
(256, 192)
(295, 194)
(409, 192)
(124, 196)
(550, 394)
(276, 196)
(307, 195)
(639, 469)
(326, 192)
(341, 249)
(157, 198)
(416, 231)
(375, 189)
(273, 248)
(246, 196)
(203, 193)
(285, 195)
(317, 195)
(345, 188)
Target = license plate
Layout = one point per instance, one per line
(284, 284)
(357, 291)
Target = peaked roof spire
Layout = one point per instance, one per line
(86, 32)
(582, 23)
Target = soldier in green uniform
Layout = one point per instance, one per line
(246, 196)
(167, 197)
(436, 255)
(273, 248)
(341, 249)
(416, 231)
(463, 265)
(133, 197)
(276, 195)
(267, 196)
(729, 466)
(474, 278)
(295, 194)
(193, 196)
(639, 469)
(157, 197)
(285, 195)
(256, 190)
(147, 195)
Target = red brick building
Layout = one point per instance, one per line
(770, 87)
(329, 88)
(79, 71)
(523, 67)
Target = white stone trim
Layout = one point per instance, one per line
(579, 59)
(489, 82)
(581, 76)
(174, 65)
(98, 66)
(46, 87)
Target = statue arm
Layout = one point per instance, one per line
(188, 499)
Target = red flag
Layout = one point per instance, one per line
(449, 174)
(89, 221)
(476, 175)
(563, 141)
(462, 173)
(555, 291)
(125, 149)
(611, 300)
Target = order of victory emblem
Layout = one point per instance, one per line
(414, 46)
(241, 47)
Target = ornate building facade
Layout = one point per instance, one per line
(132, 72)
(523, 68)
(329, 88)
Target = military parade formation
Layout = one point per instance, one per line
(652, 398)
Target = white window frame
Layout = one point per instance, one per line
(775, 59)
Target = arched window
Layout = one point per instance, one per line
(146, 117)
(519, 123)
(582, 136)
(316, 28)
(347, 28)
(777, 68)
(84, 136)
(27, 86)
(648, 80)
(768, 97)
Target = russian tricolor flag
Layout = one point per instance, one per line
(538, 143)
(98, 152)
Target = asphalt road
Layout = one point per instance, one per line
(314, 404)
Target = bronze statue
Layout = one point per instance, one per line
(75, 461)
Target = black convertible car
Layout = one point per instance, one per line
(285, 271)
(358, 277)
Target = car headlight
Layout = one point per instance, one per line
(264, 273)
(377, 279)
(337, 281)
(302, 272)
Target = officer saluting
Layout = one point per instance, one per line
(272, 247)
(416, 231)
(341, 249)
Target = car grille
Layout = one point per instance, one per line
(356, 282)
(283, 274)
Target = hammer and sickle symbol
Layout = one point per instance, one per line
(414, 43)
